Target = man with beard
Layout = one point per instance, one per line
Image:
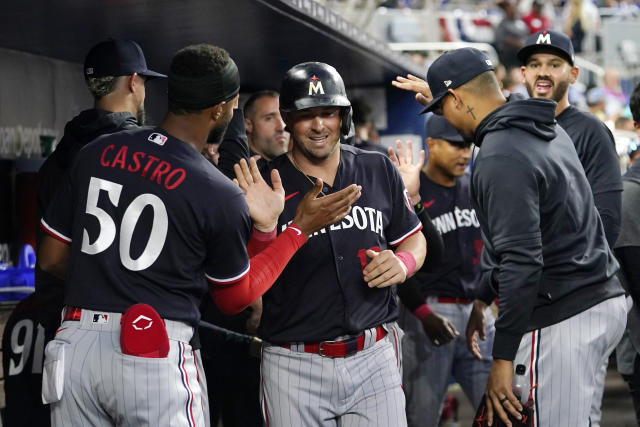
(115, 73)
(545, 253)
(122, 353)
(547, 71)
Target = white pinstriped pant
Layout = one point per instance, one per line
(308, 390)
(566, 358)
(103, 387)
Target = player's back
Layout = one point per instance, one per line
(150, 214)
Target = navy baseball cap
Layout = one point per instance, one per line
(439, 127)
(117, 58)
(548, 40)
(453, 69)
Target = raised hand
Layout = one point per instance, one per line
(265, 203)
(314, 213)
(414, 84)
(410, 173)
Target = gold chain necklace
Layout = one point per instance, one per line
(295, 165)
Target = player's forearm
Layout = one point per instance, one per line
(609, 205)
(518, 280)
(264, 270)
(53, 257)
(416, 245)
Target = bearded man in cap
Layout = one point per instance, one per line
(545, 256)
(548, 70)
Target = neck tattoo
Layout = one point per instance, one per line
(470, 111)
(295, 165)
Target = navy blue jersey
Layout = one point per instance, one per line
(149, 218)
(321, 293)
(452, 214)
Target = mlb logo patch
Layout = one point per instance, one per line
(101, 318)
(88, 71)
(158, 138)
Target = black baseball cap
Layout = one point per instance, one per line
(117, 58)
(549, 40)
(439, 127)
(453, 69)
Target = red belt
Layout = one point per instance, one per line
(454, 300)
(341, 348)
(72, 313)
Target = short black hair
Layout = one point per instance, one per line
(250, 102)
(634, 104)
(362, 112)
(196, 60)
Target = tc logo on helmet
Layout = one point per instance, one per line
(315, 86)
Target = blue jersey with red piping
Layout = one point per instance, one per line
(321, 293)
(149, 220)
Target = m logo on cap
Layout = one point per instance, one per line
(544, 38)
(447, 83)
(315, 86)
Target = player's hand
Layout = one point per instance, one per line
(410, 173)
(499, 388)
(384, 269)
(265, 203)
(439, 329)
(314, 213)
(415, 84)
(252, 323)
(476, 327)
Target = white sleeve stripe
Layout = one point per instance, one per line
(231, 279)
(416, 228)
(55, 233)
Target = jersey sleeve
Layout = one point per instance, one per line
(404, 221)
(58, 218)
(228, 231)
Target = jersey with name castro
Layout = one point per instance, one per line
(148, 218)
(321, 293)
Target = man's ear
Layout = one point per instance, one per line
(216, 111)
(574, 74)
(457, 100)
(248, 125)
(132, 84)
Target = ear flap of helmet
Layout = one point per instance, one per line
(347, 128)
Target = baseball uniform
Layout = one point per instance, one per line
(141, 232)
(448, 289)
(321, 297)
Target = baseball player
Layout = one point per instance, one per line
(115, 74)
(329, 319)
(138, 243)
(437, 302)
(547, 71)
(561, 306)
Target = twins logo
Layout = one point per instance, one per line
(315, 86)
(544, 38)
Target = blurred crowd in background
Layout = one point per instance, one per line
(603, 33)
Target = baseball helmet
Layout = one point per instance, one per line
(315, 84)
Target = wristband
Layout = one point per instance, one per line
(262, 236)
(423, 311)
(418, 208)
(408, 260)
